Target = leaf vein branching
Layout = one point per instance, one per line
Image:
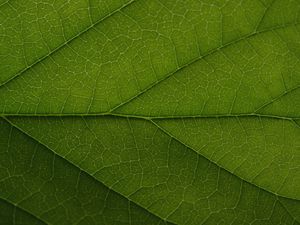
(66, 42)
(276, 99)
(195, 60)
(24, 210)
(264, 15)
(217, 164)
(78, 167)
(215, 116)
(4, 3)
(285, 208)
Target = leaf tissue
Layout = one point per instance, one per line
(150, 112)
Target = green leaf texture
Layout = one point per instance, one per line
(150, 112)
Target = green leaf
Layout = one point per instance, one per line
(150, 112)
(35, 179)
(10, 214)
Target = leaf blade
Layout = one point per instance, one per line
(56, 191)
(152, 193)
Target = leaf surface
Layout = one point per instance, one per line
(36, 180)
(150, 112)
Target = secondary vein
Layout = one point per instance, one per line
(66, 43)
(195, 60)
(192, 149)
(24, 210)
(78, 167)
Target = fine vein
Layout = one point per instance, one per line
(77, 166)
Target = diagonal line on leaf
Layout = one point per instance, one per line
(164, 131)
(189, 147)
(195, 60)
(296, 122)
(24, 210)
(78, 167)
(285, 208)
(4, 3)
(276, 99)
(265, 13)
(65, 43)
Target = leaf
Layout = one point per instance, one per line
(150, 112)
(10, 214)
(47, 186)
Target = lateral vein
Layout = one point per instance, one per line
(24, 210)
(192, 149)
(65, 43)
(81, 169)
